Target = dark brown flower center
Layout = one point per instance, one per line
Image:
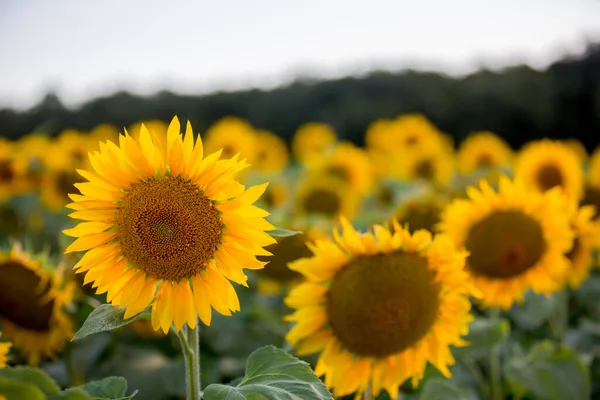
(286, 250)
(420, 216)
(505, 244)
(549, 176)
(21, 297)
(168, 228)
(425, 169)
(575, 250)
(7, 173)
(382, 304)
(228, 152)
(65, 181)
(339, 172)
(485, 160)
(592, 198)
(385, 196)
(321, 201)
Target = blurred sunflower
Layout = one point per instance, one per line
(56, 186)
(578, 148)
(163, 220)
(323, 196)
(68, 151)
(32, 302)
(32, 155)
(4, 349)
(276, 195)
(276, 275)
(311, 140)
(157, 126)
(12, 172)
(421, 213)
(414, 132)
(378, 307)
(271, 153)
(586, 240)
(591, 197)
(104, 132)
(483, 150)
(380, 135)
(234, 136)
(516, 238)
(594, 169)
(347, 164)
(433, 165)
(544, 164)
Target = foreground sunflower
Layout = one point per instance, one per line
(4, 349)
(167, 227)
(585, 242)
(545, 164)
(516, 238)
(32, 302)
(379, 306)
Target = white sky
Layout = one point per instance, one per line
(85, 48)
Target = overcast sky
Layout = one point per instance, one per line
(85, 48)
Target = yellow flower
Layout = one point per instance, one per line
(271, 153)
(434, 165)
(32, 302)
(544, 164)
(578, 148)
(12, 172)
(586, 241)
(591, 197)
(380, 136)
(348, 164)
(414, 132)
(166, 226)
(105, 132)
(421, 213)
(276, 195)
(312, 139)
(56, 186)
(155, 125)
(483, 150)
(379, 306)
(234, 136)
(32, 156)
(68, 151)
(4, 349)
(517, 239)
(324, 196)
(594, 169)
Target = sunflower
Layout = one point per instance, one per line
(380, 135)
(594, 169)
(234, 136)
(433, 165)
(276, 195)
(12, 172)
(154, 125)
(578, 148)
(379, 306)
(483, 150)
(167, 227)
(348, 164)
(423, 212)
(312, 139)
(32, 302)
(56, 186)
(591, 197)
(414, 132)
(31, 153)
(271, 153)
(104, 132)
(4, 349)
(544, 164)
(586, 240)
(319, 195)
(517, 239)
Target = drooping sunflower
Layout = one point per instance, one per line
(483, 150)
(348, 164)
(271, 153)
(586, 241)
(32, 302)
(167, 227)
(234, 136)
(516, 238)
(4, 349)
(379, 306)
(544, 164)
(319, 195)
(312, 139)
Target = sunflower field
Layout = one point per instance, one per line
(155, 262)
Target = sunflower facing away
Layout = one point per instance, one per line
(32, 302)
(4, 349)
(516, 238)
(233, 136)
(311, 139)
(585, 242)
(483, 150)
(544, 164)
(167, 227)
(379, 306)
(433, 165)
(271, 153)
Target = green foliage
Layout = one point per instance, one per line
(104, 318)
(442, 389)
(33, 376)
(484, 333)
(19, 390)
(280, 232)
(272, 374)
(111, 388)
(535, 310)
(547, 372)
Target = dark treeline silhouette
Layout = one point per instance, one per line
(518, 103)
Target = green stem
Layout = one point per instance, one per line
(475, 370)
(495, 378)
(559, 322)
(190, 344)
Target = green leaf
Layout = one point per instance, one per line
(483, 334)
(71, 394)
(548, 373)
(104, 318)
(14, 389)
(442, 389)
(34, 376)
(535, 310)
(280, 232)
(111, 388)
(272, 374)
